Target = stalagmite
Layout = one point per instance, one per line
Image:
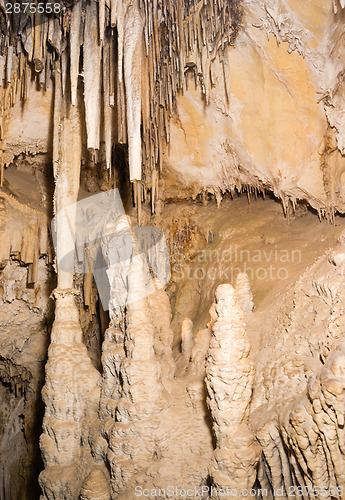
(229, 381)
(199, 352)
(160, 312)
(143, 421)
(187, 337)
(243, 292)
(131, 437)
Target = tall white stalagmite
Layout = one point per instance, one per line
(229, 381)
(132, 440)
(133, 34)
(92, 77)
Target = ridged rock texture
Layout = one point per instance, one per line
(243, 292)
(299, 397)
(137, 358)
(229, 381)
(26, 315)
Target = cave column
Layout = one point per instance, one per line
(71, 394)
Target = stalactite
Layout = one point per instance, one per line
(120, 24)
(35, 241)
(112, 72)
(101, 19)
(92, 77)
(9, 63)
(74, 47)
(38, 45)
(132, 72)
(107, 108)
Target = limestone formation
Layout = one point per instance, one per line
(96, 486)
(229, 380)
(199, 351)
(301, 435)
(243, 292)
(71, 392)
(130, 436)
(187, 337)
(160, 312)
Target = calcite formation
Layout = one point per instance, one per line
(22, 360)
(137, 359)
(110, 54)
(24, 233)
(126, 75)
(71, 392)
(163, 101)
(301, 434)
(187, 337)
(131, 441)
(71, 396)
(229, 380)
(243, 292)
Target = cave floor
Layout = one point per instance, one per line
(239, 236)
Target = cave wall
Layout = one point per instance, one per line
(26, 314)
(271, 128)
(263, 111)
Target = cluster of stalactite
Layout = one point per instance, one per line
(24, 234)
(337, 4)
(130, 58)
